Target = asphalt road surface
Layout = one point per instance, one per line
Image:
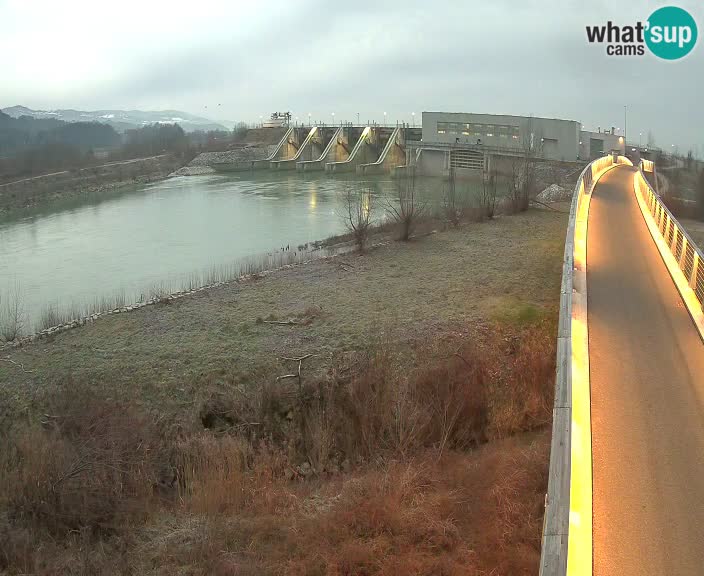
(647, 386)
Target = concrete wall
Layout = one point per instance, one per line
(559, 138)
(605, 141)
(434, 162)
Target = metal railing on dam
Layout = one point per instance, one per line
(567, 524)
(683, 258)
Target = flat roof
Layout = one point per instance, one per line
(504, 115)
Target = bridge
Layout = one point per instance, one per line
(626, 483)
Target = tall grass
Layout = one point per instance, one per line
(100, 486)
(56, 314)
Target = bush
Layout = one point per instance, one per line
(98, 486)
(91, 464)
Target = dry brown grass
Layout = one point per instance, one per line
(88, 464)
(384, 467)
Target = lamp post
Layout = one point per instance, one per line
(309, 124)
(384, 118)
(413, 115)
(357, 118)
(261, 121)
(333, 118)
(640, 137)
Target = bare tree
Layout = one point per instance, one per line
(453, 207)
(513, 184)
(405, 208)
(12, 315)
(532, 151)
(357, 214)
(488, 193)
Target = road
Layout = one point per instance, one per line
(647, 386)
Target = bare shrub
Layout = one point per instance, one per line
(212, 473)
(405, 209)
(11, 314)
(452, 205)
(455, 393)
(93, 465)
(530, 374)
(488, 194)
(515, 191)
(357, 215)
(381, 410)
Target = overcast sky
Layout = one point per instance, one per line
(233, 60)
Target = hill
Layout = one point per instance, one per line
(120, 120)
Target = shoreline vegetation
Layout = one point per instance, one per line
(379, 413)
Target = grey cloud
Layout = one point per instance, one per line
(368, 57)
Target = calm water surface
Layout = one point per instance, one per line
(68, 254)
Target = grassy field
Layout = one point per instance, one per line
(416, 440)
(172, 355)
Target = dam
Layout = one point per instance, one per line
(371, 149)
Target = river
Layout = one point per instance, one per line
(69, 254)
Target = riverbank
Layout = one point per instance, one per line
(266, 413)
(92, 181)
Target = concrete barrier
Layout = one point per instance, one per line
(290, 163)
(319, 163)
(378, 166)
(349, 164)
(265, 163)
(567, 524)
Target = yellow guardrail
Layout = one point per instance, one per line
(567, 524)
(682, 257)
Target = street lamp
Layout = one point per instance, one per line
(357, 118)
(640, 137)
(261, 121)
(413, 115)
(333, 118)
(309, 124)
(384, 118)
